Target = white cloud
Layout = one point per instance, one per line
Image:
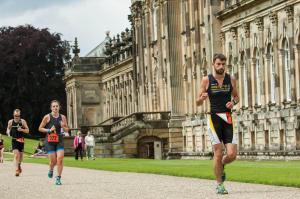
(86, 19)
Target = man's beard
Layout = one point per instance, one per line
(220, 71)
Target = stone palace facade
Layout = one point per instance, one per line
(137, 91)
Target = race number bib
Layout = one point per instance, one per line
(53, 137)
(20, 140)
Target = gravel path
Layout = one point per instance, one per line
(83, 183)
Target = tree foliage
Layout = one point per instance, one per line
(31, 70)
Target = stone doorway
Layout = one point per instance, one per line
(150, 148)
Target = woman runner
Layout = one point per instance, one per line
(54, 124)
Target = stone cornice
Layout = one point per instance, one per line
(238, 7)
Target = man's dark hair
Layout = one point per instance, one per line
(219, 56)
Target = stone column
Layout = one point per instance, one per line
(274, 29)
(69, 106)
(260, 27)
(132, 91)
(176, 99)
(75, 107)
(290, 34)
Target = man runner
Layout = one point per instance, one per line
(16, 128)
(222, 92)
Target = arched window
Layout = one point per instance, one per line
(270, 53)
(287, 69)
(258, 76)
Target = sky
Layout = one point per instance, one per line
(88, 20)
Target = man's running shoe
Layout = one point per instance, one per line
(223, 177)
(57, 180)
(17, 173)
(50, 174)
(221, 189)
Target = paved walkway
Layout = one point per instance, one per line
(83, 183)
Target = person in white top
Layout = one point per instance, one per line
(89, 144)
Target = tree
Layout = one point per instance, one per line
(31, 70)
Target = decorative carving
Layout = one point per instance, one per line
(76, 49)
(273, 18)
(260, 23)
(233, 31)
(246, 27)
(222, 37)
(290, 13)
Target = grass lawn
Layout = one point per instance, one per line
(283, 173)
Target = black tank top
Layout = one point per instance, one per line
(56, 122)
(219, 96)
(14, 132)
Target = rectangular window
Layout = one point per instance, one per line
(253, 140)
(194, 143)
(267, 140)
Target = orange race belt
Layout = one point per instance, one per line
(53, 138)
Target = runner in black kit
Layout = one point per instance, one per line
(222, 92)
(16, 128)
(54, 125)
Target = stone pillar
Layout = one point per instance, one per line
(175, 87)
(274, 29)
(75, 107)
(69, 107)
(260, 45)
(290, 34)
